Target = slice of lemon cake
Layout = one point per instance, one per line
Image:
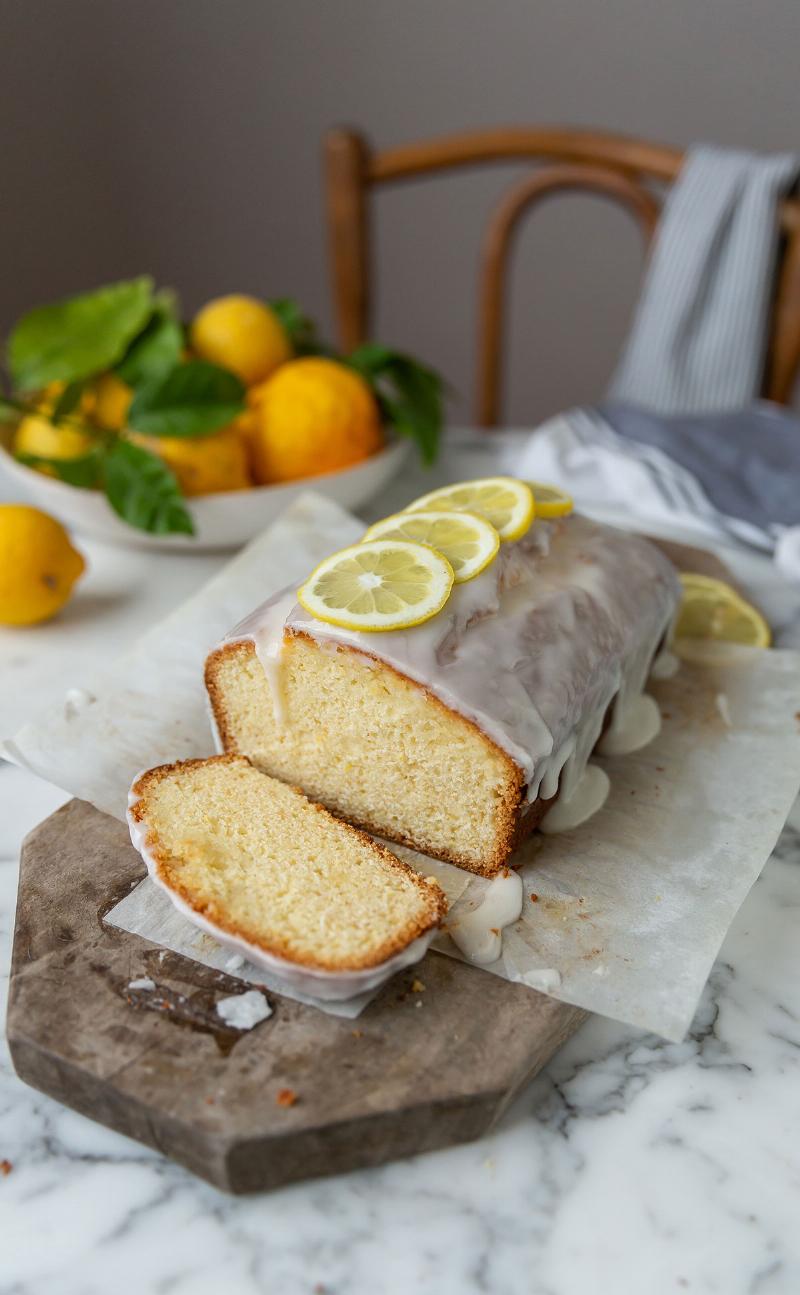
(449, 721)
(254, 860)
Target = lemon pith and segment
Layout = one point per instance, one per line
(506, 503)
(712, 609)
(467, 541)
(378, 585)
(551, 501)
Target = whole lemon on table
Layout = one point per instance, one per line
(314, 415)
(38, 565)
(204, 465)
(241, 334)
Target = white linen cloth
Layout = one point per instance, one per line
(581, 452)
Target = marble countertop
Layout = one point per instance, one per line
(629, 1165)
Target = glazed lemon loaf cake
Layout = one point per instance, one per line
(256, 860)
(454, 735)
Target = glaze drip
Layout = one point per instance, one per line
(533, 651)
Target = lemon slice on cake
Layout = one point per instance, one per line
(551, 501)
(506, 503)
(711, 609)
(467, 541)
(378, 585)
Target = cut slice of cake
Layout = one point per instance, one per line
(254, 860)
(455, 736)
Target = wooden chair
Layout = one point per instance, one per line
(619, 168)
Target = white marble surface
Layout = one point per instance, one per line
(629, 1166)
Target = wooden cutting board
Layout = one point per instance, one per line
(400, 1079)
(416, 1071)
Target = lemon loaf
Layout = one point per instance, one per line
(454, 736)
(255, 861)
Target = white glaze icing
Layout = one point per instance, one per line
(586, 799)
(244, 1011)
(533, 650)
(665, 666)
(632, 727)
(478, 933)
(723, 706)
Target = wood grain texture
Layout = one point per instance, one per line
(623, 168)
(400, 1080)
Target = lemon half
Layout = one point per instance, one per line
(378, 585)
(711, 609)
(506, 503)
(468, 542)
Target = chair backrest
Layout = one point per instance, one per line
(622, 169)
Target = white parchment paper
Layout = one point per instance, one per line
(629, 910)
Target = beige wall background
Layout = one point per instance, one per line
(182, 137)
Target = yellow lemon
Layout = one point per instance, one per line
(38, 565)
(313, 416)
(378, 585)
(506, 503)
(711, 609)
(241, 334)
(204, 465)
(467, 541)
(112, 401)
(38, 436)
(551, 501)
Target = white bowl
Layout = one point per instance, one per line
(222, 521)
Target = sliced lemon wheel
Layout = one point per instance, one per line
(506, 503)
(467, 541)
(378, 585)
(551, 501)
(711, 609)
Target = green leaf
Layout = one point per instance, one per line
(410, 395)
(84, 471)
(157, 349)
(143, 491)
(10, 410)
(67, 401)
(80, 337)
(299, 328)
(192, 399)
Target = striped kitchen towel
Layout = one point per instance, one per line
(698, 338)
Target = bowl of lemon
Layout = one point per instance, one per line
(136, 428)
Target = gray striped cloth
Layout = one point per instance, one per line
(697, 343)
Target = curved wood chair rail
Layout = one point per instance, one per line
(620, 169)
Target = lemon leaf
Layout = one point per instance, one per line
(10, 410)
(79, 337)
(68, 400)
(411, 396)
(298, 327)
(143, 492)
(84, 471)
(157, 348)
(193, 399)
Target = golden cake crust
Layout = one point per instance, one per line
(436, 901)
